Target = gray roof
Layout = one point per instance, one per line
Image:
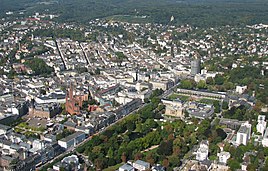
(207, 163)
(126, 167)
(6, 142)
(158, 168)
(69, 124)
(15, 146)
(7, 158)
(72, 136)
(4, 127)
(142, 163)
(243, 129)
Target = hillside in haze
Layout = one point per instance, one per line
(195, 12)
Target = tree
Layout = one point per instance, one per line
(186, 114)
(111, 162)
(155, 100)
(156, 92)
(151, 123)
(225, 105)
(39, 67)
(149, 158)
(146, 100)
(201, 84)
(138, 156)
(174, 161)
(165, 148)
(216, 106)
(187, 84)
(228, 85)
(131, 126)
(165, 162)
(251, 167)
(238, 155)
(210, 81)
(176, 150)
(100, 163)
(124, 158)
(219, 79)
(110, 153)
(233, 164)
(221, 133)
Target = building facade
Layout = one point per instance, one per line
(195, 66)
(72, 140)
(243, 134)
(74, 102)
(202, 152)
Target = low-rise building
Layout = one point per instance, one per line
(240, 89)
(141, 165)
(162, 84)
(199, 110)
(72, 140)
(223, 157)
(126, 167)
(44, 110)
(174, 108)
(4, 129)
(68, 163)
(202, 152)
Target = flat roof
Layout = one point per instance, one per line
(4, 127)
(72, 136)
(243, 129)
(143, 163)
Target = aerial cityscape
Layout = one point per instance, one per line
(133, 85)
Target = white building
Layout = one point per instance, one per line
(265, 139)
(223, 157)
(261, 126)
(141, 165)
(243, 134)
(127, 96)
(202, 152)
(69, 160)
(72, 140)
(55, 97)
(38, 145)
(163, 84)
(241, 89)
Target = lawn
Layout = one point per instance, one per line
(177, 96)
(207, 101)
(112, 168)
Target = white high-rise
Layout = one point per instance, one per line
(265, 139)
(243, 134)
(261, 126)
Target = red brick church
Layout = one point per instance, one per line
(74, 102)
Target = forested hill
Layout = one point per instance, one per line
(203, 13)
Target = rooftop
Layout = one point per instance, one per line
(73, 136)
(140, 162)
(4, 127)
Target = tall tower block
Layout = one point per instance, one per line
(195, 66)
